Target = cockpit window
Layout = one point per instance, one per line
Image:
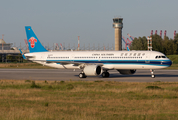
(160, 57)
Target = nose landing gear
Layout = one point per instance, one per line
(152, 73)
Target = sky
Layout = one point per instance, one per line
(62, 21)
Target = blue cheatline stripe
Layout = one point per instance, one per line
(124, 62)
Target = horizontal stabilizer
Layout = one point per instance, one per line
(22, 54)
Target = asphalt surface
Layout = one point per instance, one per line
(68, 74)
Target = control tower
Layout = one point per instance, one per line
(118, 25)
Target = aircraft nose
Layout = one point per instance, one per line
(170, 62)
(167, 63)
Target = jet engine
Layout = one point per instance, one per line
(126, 72)
(92, 70)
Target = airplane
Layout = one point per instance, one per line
(95, 63)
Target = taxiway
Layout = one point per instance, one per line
(68, 74)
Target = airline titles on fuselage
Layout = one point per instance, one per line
(109, 54)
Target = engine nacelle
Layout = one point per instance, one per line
(126, 72)
(92, 70)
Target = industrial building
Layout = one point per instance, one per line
(4, 45)
(7, 54)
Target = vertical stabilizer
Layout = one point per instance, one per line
(33, 42)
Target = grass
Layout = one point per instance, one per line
(87, 100)
(24, 66)
(173, 58)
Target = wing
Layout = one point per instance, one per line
(74, 63)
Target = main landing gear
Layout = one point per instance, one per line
(152, 73)
(105, 74)
(82, 75)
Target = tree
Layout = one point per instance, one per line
(176, 42)
(166, 45)
(169, 48)
(139, 44)
(157, 43)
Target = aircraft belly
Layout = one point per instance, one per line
(126, 66)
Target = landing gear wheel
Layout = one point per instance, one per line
(82, 75)
(105, 74)
(153, 76)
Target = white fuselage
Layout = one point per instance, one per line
(108, 59)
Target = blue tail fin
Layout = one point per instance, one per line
(33, 42)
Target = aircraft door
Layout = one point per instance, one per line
(147, 60)
(72, 58)
(42, 56)
(99, 58)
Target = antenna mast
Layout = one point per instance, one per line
(78, 43)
